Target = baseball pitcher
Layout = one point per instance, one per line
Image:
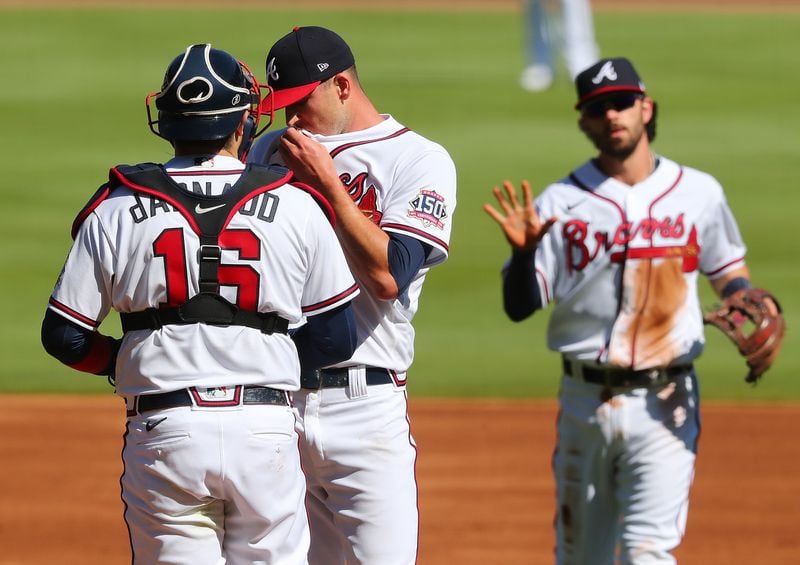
(394, 193)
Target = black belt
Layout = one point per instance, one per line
(339, 378)
(625, 378)
(182, 397)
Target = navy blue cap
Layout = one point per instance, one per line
(607, 76)
(301, 60)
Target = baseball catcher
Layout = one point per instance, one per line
(752, 319)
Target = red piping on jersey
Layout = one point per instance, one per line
(586, 188)
(725, 266)
(624, 219)
(72, 313)
(335, 151)
(650, 266)
(97, 198)
(331, 300)
(424, 235)
(327, 209)
(544, 284)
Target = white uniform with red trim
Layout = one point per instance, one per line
(621, 266)
(133, 252)
(358, 452)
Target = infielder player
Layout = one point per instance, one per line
(394, 193)
(556, 29)
(617, 247)
(208, 262)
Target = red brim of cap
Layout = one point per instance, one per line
(286, 97)
(606, 90)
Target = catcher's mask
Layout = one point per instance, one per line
(203, 97)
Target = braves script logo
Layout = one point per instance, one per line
(429, 207)
(365, 197)
(606, 71)
(272, 70)
(581, 249)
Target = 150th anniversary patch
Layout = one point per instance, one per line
(429, 207)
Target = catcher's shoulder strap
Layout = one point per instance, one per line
(208, 216)
(100, 194)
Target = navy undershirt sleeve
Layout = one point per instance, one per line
(327, 338)
(67, 342)
(406, 257)
(71, 343)
(521, 295)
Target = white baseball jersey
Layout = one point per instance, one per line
(134, 251)
(641, 247)
(407, 185)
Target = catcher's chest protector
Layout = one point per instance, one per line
(207, 216)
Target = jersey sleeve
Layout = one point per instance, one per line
(329, 282)
(422, 202)
(82, 293)
(721, 244)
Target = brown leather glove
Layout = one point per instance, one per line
(752, 319)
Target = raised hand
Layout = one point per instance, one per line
(520, 222)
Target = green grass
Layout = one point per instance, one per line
(73, 105)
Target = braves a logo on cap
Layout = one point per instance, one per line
(272, 70)
(607, 71)
(429, 207)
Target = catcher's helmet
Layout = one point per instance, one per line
(204, 94)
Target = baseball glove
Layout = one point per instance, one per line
(751, 318)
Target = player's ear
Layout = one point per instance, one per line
(649, 114)
(242, 124)
(343, 85)
(647, 109)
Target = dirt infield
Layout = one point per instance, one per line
(486, 493)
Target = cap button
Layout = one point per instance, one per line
(296, 28)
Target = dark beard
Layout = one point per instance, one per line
(607, 146)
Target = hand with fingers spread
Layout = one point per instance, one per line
(520, 222)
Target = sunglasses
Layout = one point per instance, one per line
(618, 102)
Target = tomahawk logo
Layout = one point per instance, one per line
(606, 71)
(272, 70)
(322, 66)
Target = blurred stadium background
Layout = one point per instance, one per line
(725, 74)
